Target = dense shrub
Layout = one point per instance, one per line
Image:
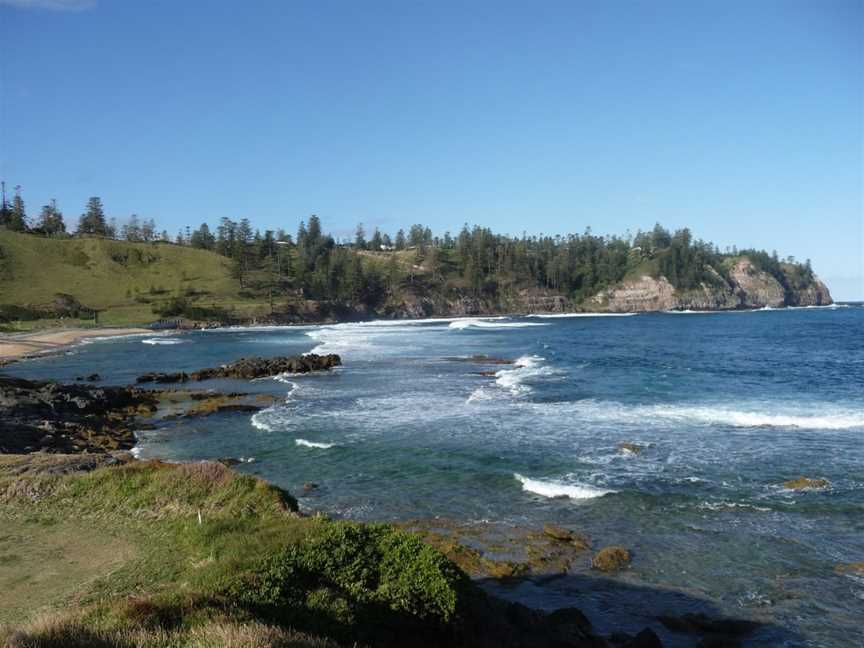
(352, 580)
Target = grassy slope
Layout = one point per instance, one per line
(109, 275)
(119, 554)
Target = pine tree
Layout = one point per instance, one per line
(377, 240)
(51, 220)
(18, 215)
(202, 238)
(360, 237)
(92, 221)
(5, 211)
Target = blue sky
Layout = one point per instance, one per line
(742, 120)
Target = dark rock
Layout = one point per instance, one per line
(571, 617)
(523, 617)
(647, 639)
(68, 418)
(158, 377)
(698, 623)
(238, 407)
(565, 535)
(251, 368)
(308, 487)
(94, 377)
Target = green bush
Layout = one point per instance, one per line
(351, 580)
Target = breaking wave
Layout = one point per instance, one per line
(563, 315)
(620, 413)
(463, 324)
(166, 341)
(313, 444)
(560, 489)
(737, 418)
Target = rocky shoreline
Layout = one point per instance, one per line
(66, 429)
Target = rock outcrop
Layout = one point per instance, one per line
(48, 416)
(744, 287)
(816, 294)
(610, 559)
(755, 288)
(251, 368)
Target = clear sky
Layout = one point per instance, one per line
(740, 119)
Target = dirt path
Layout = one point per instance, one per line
(42, 567)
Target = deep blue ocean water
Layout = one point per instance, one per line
(726, 405)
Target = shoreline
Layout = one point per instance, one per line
(22, 346)
(15, 346)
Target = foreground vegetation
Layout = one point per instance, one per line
(155, 554)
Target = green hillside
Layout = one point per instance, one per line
(122, 279)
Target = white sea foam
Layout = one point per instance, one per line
(365, 338)
(285, 377)
(726, 506)
(463, 324)
(258, 423)
(563, 315)
(313, 444)
(559, 489)
(261, 420)
(524, 369)
(167, 341)
(738, 418)
(751, 415)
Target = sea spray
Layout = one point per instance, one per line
(548, 488)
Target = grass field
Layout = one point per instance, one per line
(119, 278)
(165, 553)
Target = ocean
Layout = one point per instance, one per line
(723, 408)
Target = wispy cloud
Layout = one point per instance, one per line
(51, 5)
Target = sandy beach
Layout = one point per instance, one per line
(17, 346)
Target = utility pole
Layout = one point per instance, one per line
(270, 269)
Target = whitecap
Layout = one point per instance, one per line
(725, 506)
(258, 423)
(752, 415)
(463, 324)
(524, 368)
(167, 341)
(737, 418)
(313, 444)
(563, 315)
(559, 489)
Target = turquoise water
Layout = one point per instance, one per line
(726, 405)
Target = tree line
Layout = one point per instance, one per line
(476, 261)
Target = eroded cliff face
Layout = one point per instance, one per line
(743, 287)
(746, 287)
(532, 300)
(816, 294)
(755, 288)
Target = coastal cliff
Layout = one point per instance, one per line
(49, 282)
(742, 286)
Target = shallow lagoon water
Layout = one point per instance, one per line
(725, 405)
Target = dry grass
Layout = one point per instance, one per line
(60, 631)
